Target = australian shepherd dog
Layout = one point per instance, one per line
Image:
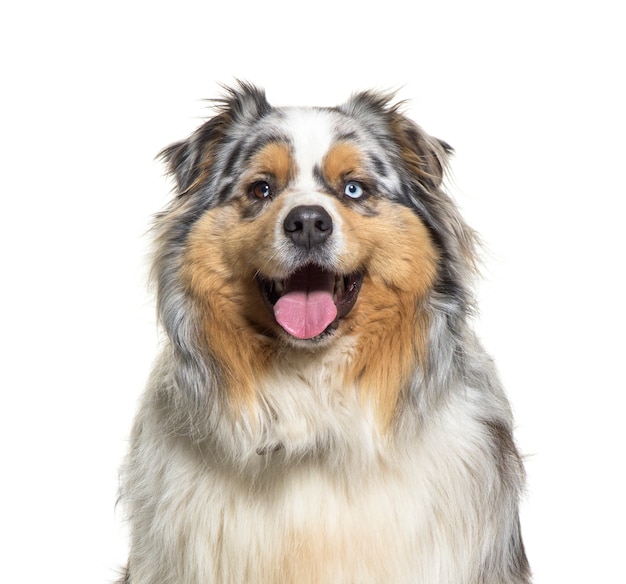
(321, 412)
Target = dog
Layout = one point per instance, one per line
(321, 411)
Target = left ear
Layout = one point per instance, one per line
(427, 157)
(425, 161)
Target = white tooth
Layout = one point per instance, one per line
(339, 287)
(278, 286)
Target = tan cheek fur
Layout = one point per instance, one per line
(229, 306)
(401, 264)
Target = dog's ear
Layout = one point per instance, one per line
(426, 157)
(190, 161)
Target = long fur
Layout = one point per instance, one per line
(379, 451)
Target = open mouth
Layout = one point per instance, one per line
(311, 300)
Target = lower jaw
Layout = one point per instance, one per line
(327, 334)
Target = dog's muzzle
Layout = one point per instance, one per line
(312, 299)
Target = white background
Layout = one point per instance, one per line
(531, 95)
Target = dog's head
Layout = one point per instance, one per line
(295, 227)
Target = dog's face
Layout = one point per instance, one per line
(297, 227)
(307, 227)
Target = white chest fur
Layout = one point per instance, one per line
(358, 509)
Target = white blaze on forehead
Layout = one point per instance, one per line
(312, 133)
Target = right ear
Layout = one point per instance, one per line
(190, 161)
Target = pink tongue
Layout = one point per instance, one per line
(304, 312)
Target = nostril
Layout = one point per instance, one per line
(292, 225)
(308, 225)
(323, 224)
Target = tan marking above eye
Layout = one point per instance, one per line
(274, 160)
(341, 160)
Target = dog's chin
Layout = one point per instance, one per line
(313, 344)
(309, 304)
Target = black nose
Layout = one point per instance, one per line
(308, 225)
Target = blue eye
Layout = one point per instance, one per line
(354, 190)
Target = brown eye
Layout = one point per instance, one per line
(261, 190)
